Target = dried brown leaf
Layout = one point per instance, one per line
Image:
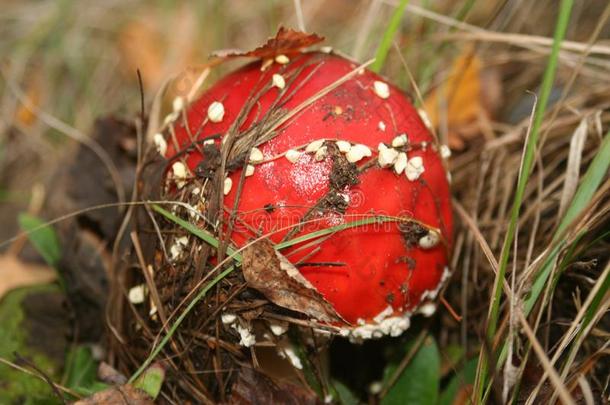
(125, 394)
(253, 387)
(272, 274)
(16, 273)
(286, 42)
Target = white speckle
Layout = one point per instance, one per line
(415, 167)
(160, 144)
(321, 153)
(449, 178)
(208, 142)
(314, 146)
(153, 310)
(357, 152)
(286, 351)
(247, 338)
(169, 118)
(326, 49)
(427, 309)
(381, 89)
(375, 387)
(432, 294)
(178, 104)
(393, 326)
(249, 170)
(328, 399)
(228, 318)
(216, 111)
(401, 163)
(178, 247)
(400, 140)
(292, 155)
(282, 59)
(196, 191)
(228, 184)
(429, 241)
(278, 328)
(180, 173)
(266, 63)
(344, 146)
(381, 125)
(387, 156)
(256, 156)
(384, 314)
(345, 198)
(137, 294)
(424, 117)
(278, 81)
(361, 71)
(445, 151)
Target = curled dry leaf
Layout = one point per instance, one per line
(469, 93)
(285, 42)
(276, 278)
(16, 273)
(253, 387)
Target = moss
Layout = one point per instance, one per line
(17, 387)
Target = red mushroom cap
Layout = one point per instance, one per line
(376, 274)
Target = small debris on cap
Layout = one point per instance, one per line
(381, 125)
(256, 156)
(249, 170)
(429, 241)
(321, 153)
(400, 140)
(326, 49)
(160, 143)
(401, 163)
(282, 59)
(387, 156)
(208, 142)
(137, 294)
(314, 146)
(228, 184)
(381, 89)
(292, 155)
(344, 146)
(445, 151)
(278, 81)
(415, 167)
(357, 152)
(216, 111)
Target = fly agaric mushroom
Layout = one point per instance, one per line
(346, 145)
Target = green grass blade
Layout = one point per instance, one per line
(388, 37)
(563, 19)
(200, 233)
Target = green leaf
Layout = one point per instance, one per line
(464, 377)
(419, 382)
(42, 236)
(344, 394)
(151, 380)
(81, 371)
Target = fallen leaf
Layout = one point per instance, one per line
(469, 93)
(253, 387)
(285, 42)
(124, 394)
(272, 274)
(16, 273)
